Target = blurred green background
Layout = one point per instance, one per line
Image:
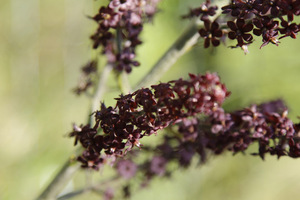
(44, 43)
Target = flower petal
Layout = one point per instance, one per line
(206, 42)
(214, 25)
(203, 33)
(247, 37)
(218, 33)
(232, 35)
(240, 23)
(247, 28)
(232, 25)
(215, 42)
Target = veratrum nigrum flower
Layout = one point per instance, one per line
(144, 112)
(119, 26)
(271, 18)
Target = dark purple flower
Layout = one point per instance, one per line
(239, 31)
(107, 17)
(125, 60)
(234, 8)
(289, 29)
(272, 6)
(126, 168)
(267, 28)
(158, 166)
(211, 33)
(290, 8)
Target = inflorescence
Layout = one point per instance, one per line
(195, 107)
(240, 19)
(143, 113)
(119, 26)
(266, 124)
(189, 111)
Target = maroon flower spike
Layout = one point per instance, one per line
(239, 31)
(146, 111)
(242, 128)
(119, 26)
(211, 33)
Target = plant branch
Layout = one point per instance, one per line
(71, 166)
(96, 187)
(61, 179)
(101, 87)
(184, 43)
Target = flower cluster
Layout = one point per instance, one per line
(119, 26)
(265, 124)
(270, 19)
(144, 112)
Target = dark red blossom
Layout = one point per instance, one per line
(125, 60)
(239, 31)
(234, 8)
(210, 33)
(272, 6)
(268, 29)
(290, 8)
(107, 17)
(289, 29)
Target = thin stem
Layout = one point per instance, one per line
(183, 44)
(188, 39)
(87, 189)
(123, 83)
(71, 166)
(119, 40)
(61, 179)
(101, 87)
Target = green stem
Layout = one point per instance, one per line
(71, 166)
(101, 87)
(96, 187)
(123, 82)
(184, 43)
(61, 179)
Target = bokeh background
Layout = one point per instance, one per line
(43, 44)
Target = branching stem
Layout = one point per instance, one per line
(184, 43)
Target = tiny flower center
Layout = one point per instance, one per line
(106, 16)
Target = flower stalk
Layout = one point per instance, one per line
(60, 180)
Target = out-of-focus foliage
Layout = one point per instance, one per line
(43, 44)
